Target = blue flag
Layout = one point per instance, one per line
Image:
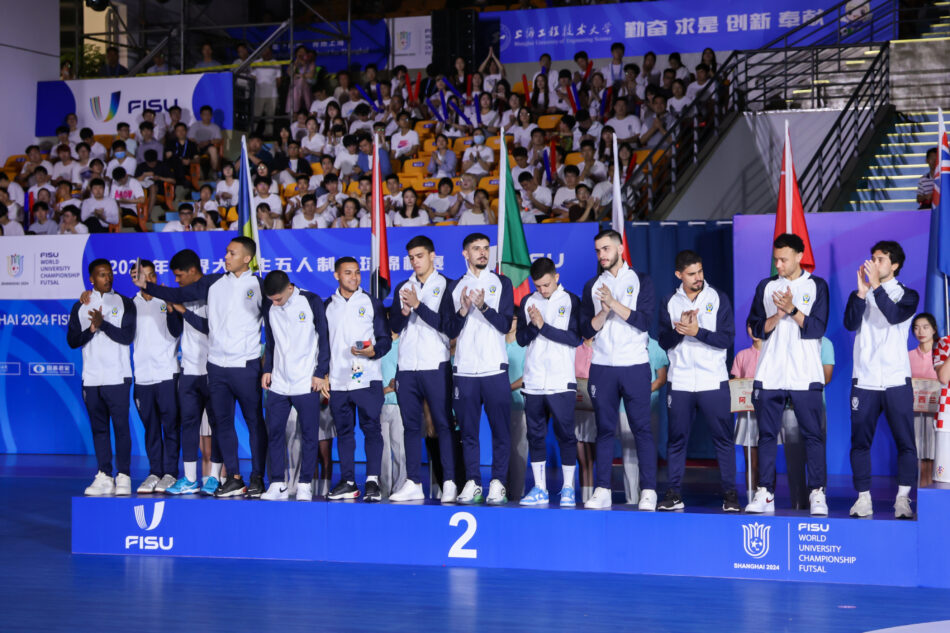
(938, 257)
(247, 217)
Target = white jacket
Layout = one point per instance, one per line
(297, 346)
(480, 349)
(105, 352)
(549, 359)
(155, 347)
(423, 346)
(357, 319)
(697, 363)
(882, 320)
(620, 343)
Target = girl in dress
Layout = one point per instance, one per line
(922, 366)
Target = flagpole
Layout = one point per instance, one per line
(788, 179)
(502, 194)
(252, 213)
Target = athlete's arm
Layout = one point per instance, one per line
(197, 322)
(381, 331)
(527, 331)
(173, 321)
(76, 336)
(197, 291)
(125, 333)
(725, 332)
(854, 311)
(813, 325)
(323, 336)
(896, 312)
(500, 319)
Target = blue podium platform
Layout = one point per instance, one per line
(792, 548)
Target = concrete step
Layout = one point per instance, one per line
(905, 204)
(914, 169)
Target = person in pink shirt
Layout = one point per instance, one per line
(747, 428)
(922, 366)
(585, 427)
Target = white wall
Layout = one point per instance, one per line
(29, 52)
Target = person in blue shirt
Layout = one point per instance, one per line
(519, 438)
(393, 471)
(363, 158)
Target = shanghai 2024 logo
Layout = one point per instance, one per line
(14, 265)
(755, 539)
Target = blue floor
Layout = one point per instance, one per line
(45, 588)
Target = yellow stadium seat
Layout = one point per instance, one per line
(353, 188)
(317, 169)
(461, 144)
(415, 167)
(446, 223)
(549, 121)
(554, 220)
(489, 184)
(288, 191)
(105, 139)
(429, 184)
(574, 158)
(428, 146)
(517, 87)
(425, 129)
(494, 142)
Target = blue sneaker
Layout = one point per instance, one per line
(567, 498)
(535, 497)
(210, 487)
(183, 487)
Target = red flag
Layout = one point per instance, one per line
(380, 255)
(617, 218)
(527, 92)
(790, 216)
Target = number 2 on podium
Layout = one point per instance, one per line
(458, 549)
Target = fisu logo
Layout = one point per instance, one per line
(148, 543)
(157, 512)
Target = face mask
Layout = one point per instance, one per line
(479, 139)
(120, 154)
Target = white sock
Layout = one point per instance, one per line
(537, 468)
(204, 481)
(586, 492)
(324, 487)
(903, 491)
(568, 472)
(370, 478)
(191, 471)
(216, 470)
(866, 495)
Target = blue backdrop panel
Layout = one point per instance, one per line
(841, 243)
(370, 43)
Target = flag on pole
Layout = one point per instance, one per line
(938, 257)
(247, 216)
(380, 260)
(514, 260)
(617, 217)
(790, 216)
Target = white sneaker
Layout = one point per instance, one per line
(123, 485)
(449, 492)
(148, 486)
(902, 508)
(304, 492)
(647, 500)
(816, 499)
(277, 491)
(497, 495)
(763, 501)
(600, 500)
(165, 483)
(862, 507)
(410, 491)
(101, 486)
(471, 493)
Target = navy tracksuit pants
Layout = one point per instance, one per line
(559, 407)
(158, 408)
(607, 386)
(897, 404)
(435, 387)
(193, 400)
(344, 405)
(715, 405)
(308, 417)
(769, 407)
(102, 403)
(242, 384)
(494, 392)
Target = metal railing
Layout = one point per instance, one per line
(822, 180)
(821, 62)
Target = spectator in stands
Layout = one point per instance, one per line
(342, 91)
(709, 58)
(82, 163)
(439, 204)
(186, 216)
(200, 224)
(666, 84)
(649, 75)
(442, 163)
(679, 102)
(99, 211)
(42, 224)
(464, 197)
(295, 166)
(493, 71)
(151, 172)
(541, 102)
(703, 85)
(172, 118)
(256, 153)
(15, 210)
(655, 135)
(34, 159)
(206, 206)
(266, 217)
(66, 169)
(566, 195)
(595, 95)
(266, 78)
(321, 99)
(96, 149)
(62, 138)
(361, 122)
(121, 158)
(364, 161)
(158, 125)
(42, 181)
(262, 195)
(123, 133)
(411, 214)
(62, 195)
(581, 60)
(480, 211)
(311, 145)
(536, 153)
(159, 65)
(405, 141)
(676, 65)
(72, 124)
(11, 228)
(586, 207)
(308, 218)
(296, 130)
(630, 89)
(626, 126)
(523, 126)
(207, 57)
(585, 128)
(925, 186)
(301, 73)
(69, 222)
(591, 170)
(332, 112)
(97, 169)
(112, 67)
(348, 219)
(180, 153)
(127, 192)
(316, 180)
(147, 142)
(345, 161)
(226, 193)
(613, 71)
(478, 159)
(330, 203)
(207, 135)
(536, 200)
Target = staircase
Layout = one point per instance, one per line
(940, 28)
(888, 182)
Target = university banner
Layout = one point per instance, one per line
(685, 26)
(101, 104)
(412, 41)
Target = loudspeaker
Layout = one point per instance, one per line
(453, 34)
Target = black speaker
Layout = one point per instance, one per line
(454, 32)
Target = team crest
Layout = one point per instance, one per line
(456, 393)
(669, 400)
(15, 265)
(436, 292)
(302, 316)
(855, 403)
(629, 290)
(806, 299)
(115, 311)
(562, 311)
(709, 308)
(163, 308)
(362, 311)
(755, 539)
(593, 391)
(250, 293)
(492, 289)
(755, 394)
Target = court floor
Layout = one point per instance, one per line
(45, 588)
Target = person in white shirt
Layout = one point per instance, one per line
(585, 128)
(536, 200)
(704, 88)
(438, 205)
(655, 134)
(359, 337)
(345, 161)
(69, 223)
(42, 181)
(566, 196)
(205, 135)
(881, 311)
(42, 225)
(478, 159)
(226, 192)
(348, 216)
(613, 71)
(592, 171)
(523, 128)
(67, 169)
(266, 219)
(11, 228)
(330, 203)
(679, 102)
(121, 158)
(96, 149)
(411, 214)
(104, 328)
(312, 143)
(479, 316)
(405, 142)
(33, 160)
(262, 195)
(265, 90)
(186, 215)
(98, 211)
(626, 126)
(649, 75)
(308, 218)
(616, 311)
(127, 192)
(480, 211)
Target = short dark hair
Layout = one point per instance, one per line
(702, 66)
(789, 240)
(185, 260)
(147, 263)
(97, 182)
(686, 258)
(118, 173)
(614, 235)
(186, 207)
(474, 237)
(249, 245)
(308, 198)
(420, 241)
(96, 263)
(199, 221)
(150, 155)
(39, 205)
(893, 250)
(932, 150)
(580, 55)
(205, 107)
(344, 260)
(541, 267)
(275, 282)
(572, 169)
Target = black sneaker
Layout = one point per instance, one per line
(730, 502)
(672, 501)
(233, 486)
(256, 488)
(372, 492)
(344, 490)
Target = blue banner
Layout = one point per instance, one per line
(685, 26)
